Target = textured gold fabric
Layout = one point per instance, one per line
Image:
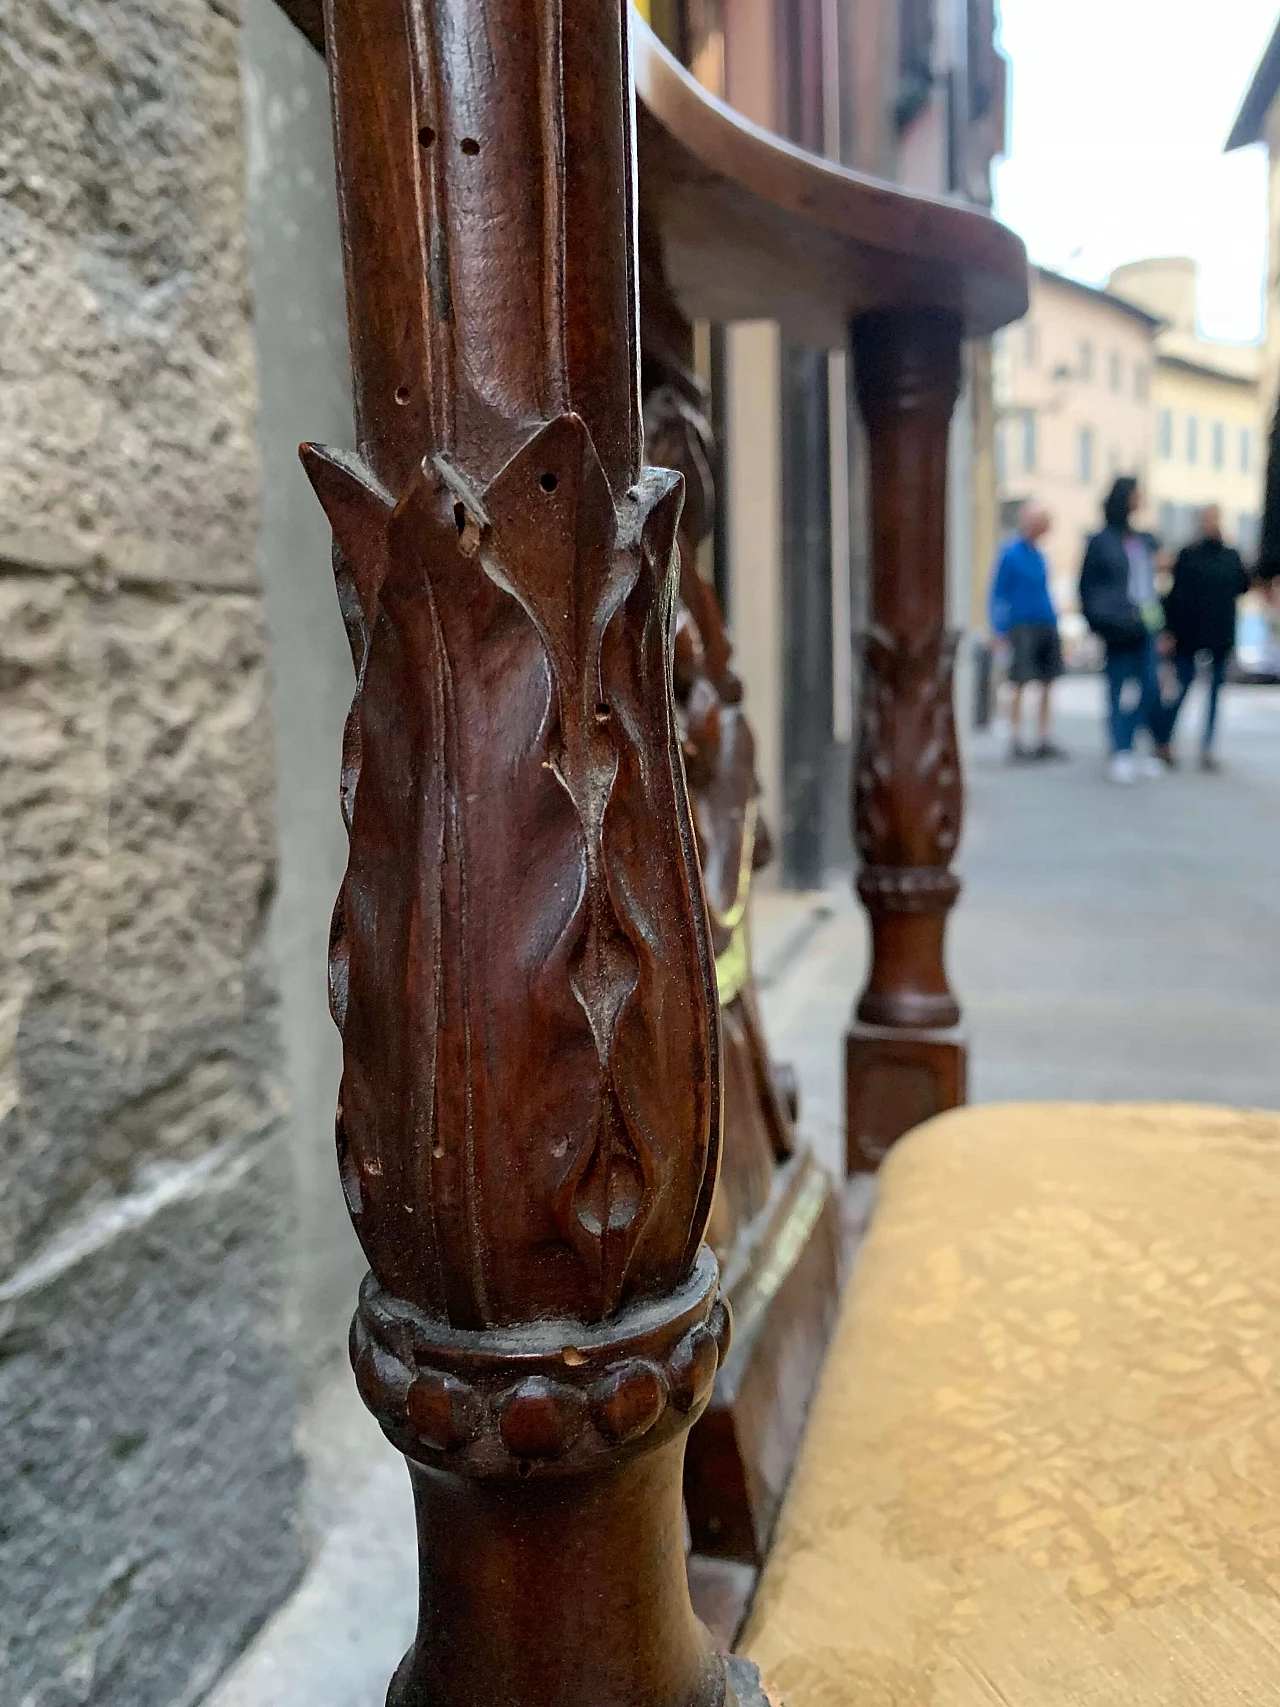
(1043, 1468)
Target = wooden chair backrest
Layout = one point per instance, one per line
(523, 967)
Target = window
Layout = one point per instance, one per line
(1177, 524)
(1164, 433)
(1030, 437)
(1141, 382)
(1193, 439)
(1084, 454)
(1246, 450)
(1030, 344)
(1117, 371)
(1086, 360)
(1219, 445)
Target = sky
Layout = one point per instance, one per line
(1120, 109)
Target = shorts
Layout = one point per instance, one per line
(1035, 653)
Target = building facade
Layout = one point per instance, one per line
(1074, 384)
(1208, 410)
(1258, 123)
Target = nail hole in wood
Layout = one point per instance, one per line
(470, 145)
(603, 712)
(402, 395)
(426, 136)
(548, 483)
(460, 519)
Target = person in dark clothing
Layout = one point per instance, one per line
(1200, 613)
(1118, 599)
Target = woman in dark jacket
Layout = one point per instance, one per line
(1200, 611)
(1118, 598)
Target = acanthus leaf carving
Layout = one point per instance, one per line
(521, 967)
(909, 797)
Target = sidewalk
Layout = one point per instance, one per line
(1111, 944)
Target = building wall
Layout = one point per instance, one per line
(752, 456)
(148, 1481)
(1193, 408)
(1167, 285)
(1270, 379)
(1056, 381)
(1208, 421)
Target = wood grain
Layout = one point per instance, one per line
(756, 228)
(522, 968)
(905, 1057)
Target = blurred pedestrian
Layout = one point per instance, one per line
(1023, 617)
(1200, 611)
(1119, 602)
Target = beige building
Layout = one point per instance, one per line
(1208, 411)
(1074, 404)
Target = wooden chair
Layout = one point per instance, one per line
(775, 1223)
(524, 967)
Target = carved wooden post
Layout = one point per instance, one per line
(906, 1054)
(529, 1127)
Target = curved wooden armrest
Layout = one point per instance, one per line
(754, 228)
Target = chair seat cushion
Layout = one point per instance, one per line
(1043, 1466)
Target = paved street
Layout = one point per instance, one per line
(1111, 944)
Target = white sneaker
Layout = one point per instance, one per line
(1122, 769)
(1149, 765)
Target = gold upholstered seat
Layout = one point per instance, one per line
(1043, 1467)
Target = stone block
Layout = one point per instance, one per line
(136, 872)
(149, 1485)
(128, 393)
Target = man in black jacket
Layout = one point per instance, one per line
(1200, 611)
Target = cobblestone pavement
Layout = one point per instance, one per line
(1111, 944)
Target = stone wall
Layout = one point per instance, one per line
(148, 1481)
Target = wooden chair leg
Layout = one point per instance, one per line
(906, 1055)
(521, 968)
(775, 1225)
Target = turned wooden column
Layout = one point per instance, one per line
(521, 969)
(906, 1053)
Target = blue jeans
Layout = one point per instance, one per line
(1185, 665)
(1134, 688)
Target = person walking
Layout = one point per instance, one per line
(1023, 617)
(1200, 613)
(1119, 602)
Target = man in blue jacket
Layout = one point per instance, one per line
(1022, 615)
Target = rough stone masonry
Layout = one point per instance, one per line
(148, 1480)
